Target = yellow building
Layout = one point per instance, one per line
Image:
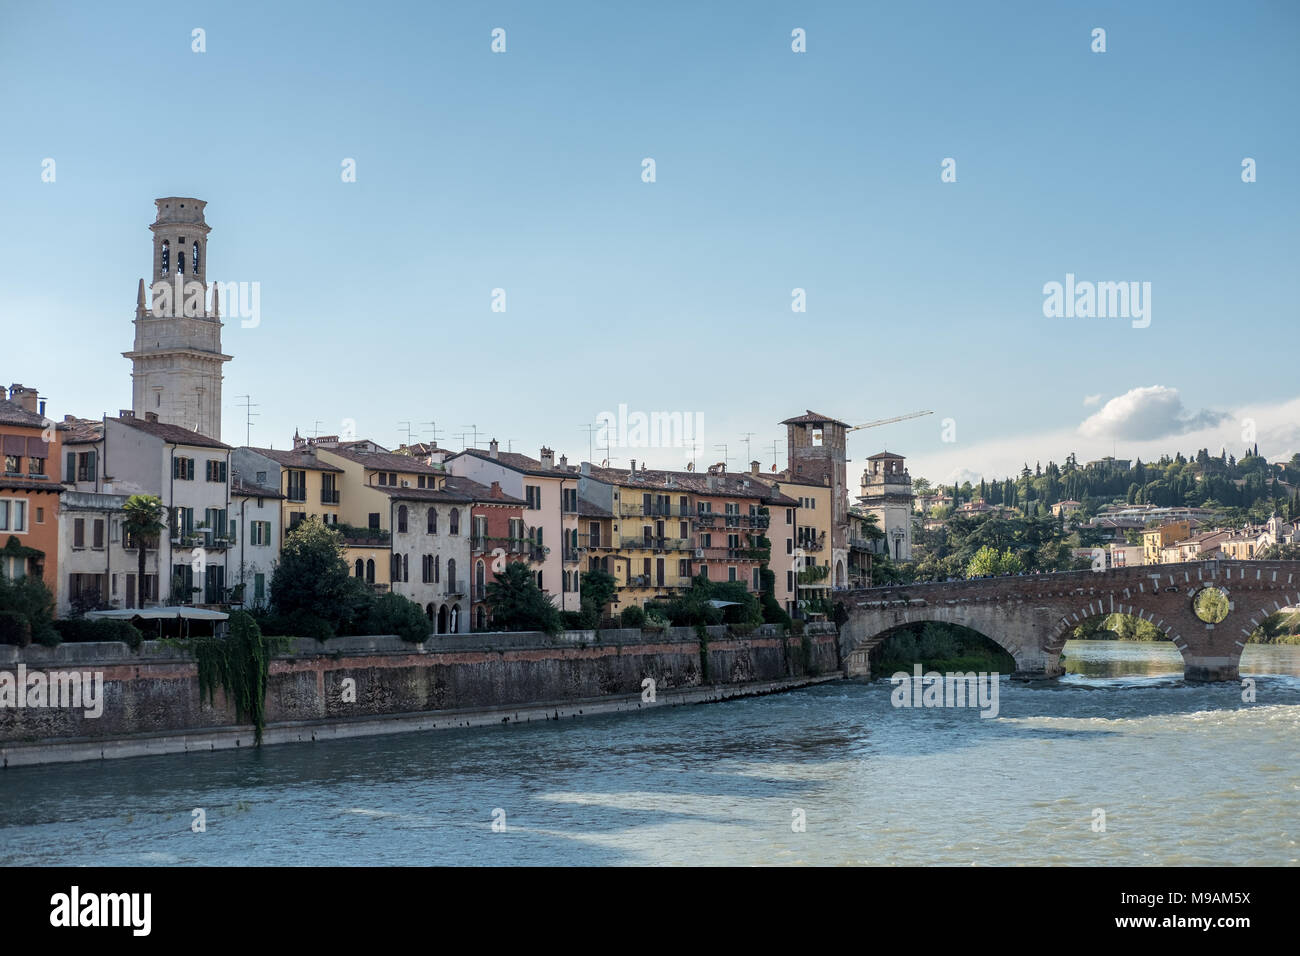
(310, 486)
(1155, 540)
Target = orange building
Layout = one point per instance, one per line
(29, 488)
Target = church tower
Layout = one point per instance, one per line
(177, 359)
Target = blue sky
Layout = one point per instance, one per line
(775, 170)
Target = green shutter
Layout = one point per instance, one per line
(93, 468)
(70, 472)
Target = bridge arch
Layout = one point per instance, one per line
(1032, 616)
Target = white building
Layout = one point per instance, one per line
(255, 548)
(887, 493)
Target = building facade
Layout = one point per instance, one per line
(29, 488)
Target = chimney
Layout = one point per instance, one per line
(151, 416)
(125, 413)
(548, 457)
(24, 396)
(753, 468)
(496, 490)
(564, 462)
(826, 480)
(3, 396)
(493, 448)
(634, 466)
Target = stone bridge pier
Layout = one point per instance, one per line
(1032, 616)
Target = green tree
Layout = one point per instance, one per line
(143, 521)
(518, 604)
(597, 588)
(311, 586)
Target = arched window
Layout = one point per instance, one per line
(370, 571)
(406, 567)
(194, 260)
(480, 580)
(361, 568)
(395, 568)
(429, 611)
(401, 519)
(433, 521)
(437, 568)
(180, 263)
(166, 257)
(451, 574)
(453, 523)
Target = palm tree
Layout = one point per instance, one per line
(144, 523)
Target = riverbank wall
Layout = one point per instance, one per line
(354, 686)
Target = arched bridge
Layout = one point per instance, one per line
(1031, 616)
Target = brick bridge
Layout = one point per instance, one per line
(1031, 616)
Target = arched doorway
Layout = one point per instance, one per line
(442, 619)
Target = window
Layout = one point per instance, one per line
(297, 489)
(406, 567)
(571, 499)
(370, 571)
(383, 478)
(731, 574)
(533, 495)
(259, 589)
(451, 575)
(433, 521)
(183, 468)
(40, 516)
(78, 533)
(81, 466)
(594, 540)
(789, 516)
(419, 481)
(479, 532)
(374, 520)
(360, 568)
(437, 568)
(13, 465)
(539, 581)
(392, 478)
(426, 568)
(516, 533)
(216, 470)
(194, 259)
(453, 522)
(683, 568)
(182, 521)
(259, 533)
(755, 583)
(13, 568)
(261, 477)
(98, 536)
(166, 257)
(789, 580)
(401, 519)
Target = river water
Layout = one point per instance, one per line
(1185, 774)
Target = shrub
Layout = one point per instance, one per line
(395, 614)
(14, 629)
(81, 631)
(632, 616)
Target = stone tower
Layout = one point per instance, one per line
(816, 452)
(887, 492)
(176, 360)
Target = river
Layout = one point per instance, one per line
(1185, 774)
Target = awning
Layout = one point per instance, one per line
(160, 613)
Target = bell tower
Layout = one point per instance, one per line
(176, 362)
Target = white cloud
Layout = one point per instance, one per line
(1092, 399)
(1142, 414)
(1277, 430)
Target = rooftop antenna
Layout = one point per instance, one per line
(408, 432)
(590, 428)
(433, 427)
(510, 445)
(249, 415)
(774, 458)
(316, 429)
(745, 438)
(695, 450)
(726, 459)
(473, 431)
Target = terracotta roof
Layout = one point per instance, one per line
(171, 433)
(812, 418)
(295, 459)
(80, 431)
(742, 485)
(521, 463)
(28, 484)
(884, 454)
(384, 460)
(454, 489)
(250, 489)
(11, 413)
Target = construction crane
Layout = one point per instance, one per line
(890, 421)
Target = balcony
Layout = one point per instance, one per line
(296, 495)
(861, 544)
(710, 519)
(329, 496)
(815, 542)
(628, 509)
(640, 542)
(572, 556)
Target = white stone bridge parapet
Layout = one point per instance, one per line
(1032, 615)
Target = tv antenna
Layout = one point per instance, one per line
(249, 415)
